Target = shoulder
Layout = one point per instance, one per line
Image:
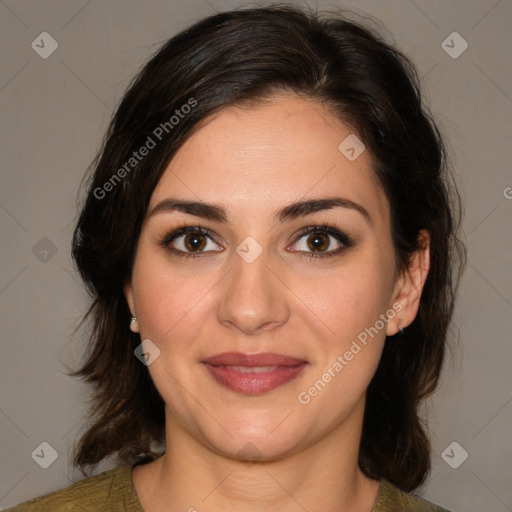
(111, 490)
(392, 499)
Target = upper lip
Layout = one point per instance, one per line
(252, 360)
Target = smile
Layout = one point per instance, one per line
(254, 380)
(253, 374)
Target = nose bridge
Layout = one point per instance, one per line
(252, 297)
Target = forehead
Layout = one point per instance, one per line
(261, 157)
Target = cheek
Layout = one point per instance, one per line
(171, 307)
(167, 300)
(347, 309)
(349, 299)
(350, 339)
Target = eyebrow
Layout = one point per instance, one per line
(293, 211)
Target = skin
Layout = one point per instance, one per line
(253, 162)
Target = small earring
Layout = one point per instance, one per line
(134, 326)
(400, 328)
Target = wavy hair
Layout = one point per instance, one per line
(240, 57)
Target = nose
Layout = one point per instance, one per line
(253, 299)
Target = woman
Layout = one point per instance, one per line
(270, 240)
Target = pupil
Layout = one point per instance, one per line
(194, 242)
(318, 241)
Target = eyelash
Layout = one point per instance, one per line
(345, 240)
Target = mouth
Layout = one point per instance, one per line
(253, 374)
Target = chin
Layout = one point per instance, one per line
(264, 440)
(252, 449)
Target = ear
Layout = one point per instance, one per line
(409, 285)
(130, 299)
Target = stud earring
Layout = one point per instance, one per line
(134, 326)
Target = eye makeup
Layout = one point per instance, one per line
(197, 234)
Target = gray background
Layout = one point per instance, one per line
(54, 113)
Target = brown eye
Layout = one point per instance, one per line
(318, 242)
(195, 242)
(191, 241)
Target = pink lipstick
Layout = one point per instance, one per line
(252, 374)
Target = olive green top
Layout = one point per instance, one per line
(113, 491)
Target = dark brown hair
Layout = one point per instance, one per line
(245, 56)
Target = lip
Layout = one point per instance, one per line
(223, 368)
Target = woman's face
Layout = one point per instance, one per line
(258, 277)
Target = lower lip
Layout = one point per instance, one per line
(252, 383)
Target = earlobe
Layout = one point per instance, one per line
(409, 286)
(134, 325)
(128, 293)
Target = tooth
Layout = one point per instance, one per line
(253, 369)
